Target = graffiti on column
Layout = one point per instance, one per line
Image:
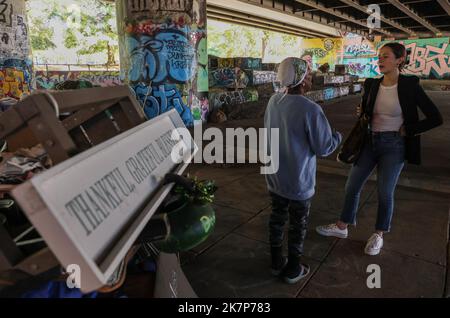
(159, 99)
(6, 13)
(15, 62)
(202, 60)
(167, 57)
(152, 6)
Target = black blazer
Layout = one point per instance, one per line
(411, 96)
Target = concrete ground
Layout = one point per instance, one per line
(234, 261)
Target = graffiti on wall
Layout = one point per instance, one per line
(363, 67)
(248, 63)
(428, 58)
(321, 51)
(48, 80)
(228, 98)
(357, 47)
(263, 77)
(227, 77)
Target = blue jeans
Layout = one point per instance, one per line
(386, 151)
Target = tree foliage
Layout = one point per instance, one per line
(41, 36)
(232, 40)
(89, 26)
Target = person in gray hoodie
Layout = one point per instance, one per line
(304, 134)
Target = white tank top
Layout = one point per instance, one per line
(387, 113)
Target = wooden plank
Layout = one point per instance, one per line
(10, 121)
(121, 119)
(49, 130)
(86, 113)
(38, 263)
(134, 113)
(80, 140)
(23, 138)
(73, 100)
(100, 128)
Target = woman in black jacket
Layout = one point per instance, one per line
(391, 104)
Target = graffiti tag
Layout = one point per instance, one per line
(140, 6)
(4, 16)
(429, 61)
(160, 99)
(357, 50)
(167, 55)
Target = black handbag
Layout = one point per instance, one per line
(353, 144)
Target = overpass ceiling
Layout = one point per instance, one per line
(400, 19)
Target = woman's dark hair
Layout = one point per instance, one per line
(399, 51)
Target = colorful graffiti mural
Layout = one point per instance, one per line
(220, 99)
(262, 77)
(321, 51)
(15, 55)
(159, 99)
(164, 55)
(48, 80)
(363, 67)
(428, 58)
(357, 47)
(227, 77)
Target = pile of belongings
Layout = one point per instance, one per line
(17, 167)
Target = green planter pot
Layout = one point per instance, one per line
(190, 225)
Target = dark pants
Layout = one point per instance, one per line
(298, 212)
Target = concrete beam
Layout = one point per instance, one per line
(407, 10)
(249, 18)
(339, 14)
(355, 4)
(445, 5)
(256, 9)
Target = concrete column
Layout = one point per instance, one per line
(163, 55)
(15, 52)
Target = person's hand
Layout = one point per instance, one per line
(402, 131)
(358, 110)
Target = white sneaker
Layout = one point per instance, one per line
(374, 244)
(332, 230)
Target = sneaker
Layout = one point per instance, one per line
(332, 230)
(294, 270)
(374, 244)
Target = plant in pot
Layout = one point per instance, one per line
(190, 213)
